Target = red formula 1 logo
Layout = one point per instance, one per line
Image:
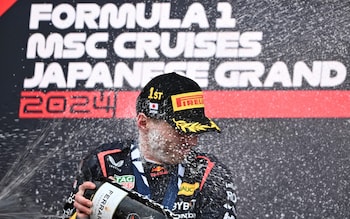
(133, 216)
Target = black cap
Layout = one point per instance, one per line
(177, 100)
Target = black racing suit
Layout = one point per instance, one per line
(206, 189)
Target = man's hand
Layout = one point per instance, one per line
(82, 204)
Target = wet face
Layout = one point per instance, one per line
(166, 145)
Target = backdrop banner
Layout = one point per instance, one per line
(275, 76)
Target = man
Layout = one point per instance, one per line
(170, 116)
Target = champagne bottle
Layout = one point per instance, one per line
(112, 201)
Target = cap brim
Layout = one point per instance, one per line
(194, 126)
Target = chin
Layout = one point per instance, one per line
(175, 161)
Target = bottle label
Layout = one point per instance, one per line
(106, 201)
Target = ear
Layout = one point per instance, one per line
(141, 120)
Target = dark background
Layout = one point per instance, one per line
(283, 168)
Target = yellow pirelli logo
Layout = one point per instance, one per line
(186, 101)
